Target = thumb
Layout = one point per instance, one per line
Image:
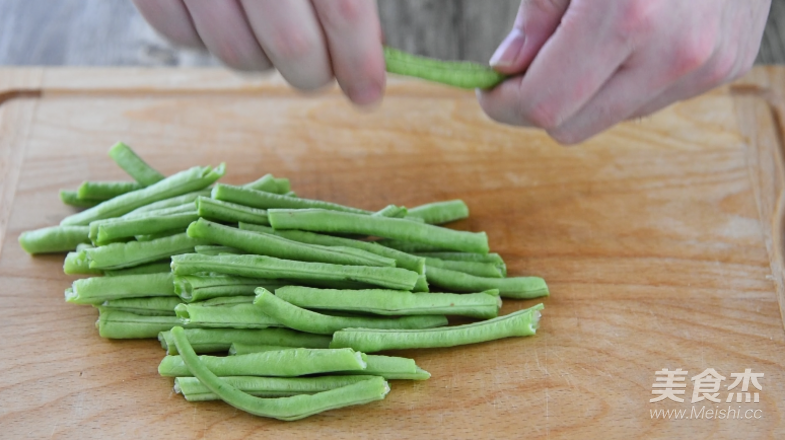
(536, 21)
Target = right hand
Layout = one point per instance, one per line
(310, 42)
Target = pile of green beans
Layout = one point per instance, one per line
(295, 291)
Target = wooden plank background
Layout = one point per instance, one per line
(111, 32)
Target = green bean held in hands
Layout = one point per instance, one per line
(463, 74)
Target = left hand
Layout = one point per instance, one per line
(590, 64)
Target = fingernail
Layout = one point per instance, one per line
(365, 93)
(509, 50)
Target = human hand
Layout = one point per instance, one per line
(590, 64)
(310, 42)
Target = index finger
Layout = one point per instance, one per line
(354, 39)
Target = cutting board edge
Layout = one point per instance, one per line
(759, 112)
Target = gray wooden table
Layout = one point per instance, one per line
(111, 32)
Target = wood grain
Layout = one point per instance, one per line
(660, 240)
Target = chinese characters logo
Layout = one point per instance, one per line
(672, 384)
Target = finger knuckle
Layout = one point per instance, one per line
(722, 70)
(546, 6)
(691, 54)
(743, 67)
(565, 137)
(542, 115)
(636, 18)
(239, 59)
(338, 13)
(291, 43)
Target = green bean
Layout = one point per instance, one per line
(441, 212)
(76, 263)
(242, 316)
(105, 190)
(96, 290)
(272, 245)
(170, 202)
(307, 321)
(515, 287)
(238, 348)
(181, 183)
(195, 391)
(54, 239)
(461, 74)
(271, 184)
(488, 270)
(230, 212)
(153, 306)
(319, 220)
(291, 194)
(465, 256)
(520, 323)
(211, 249)
(284, 186)
(265, 200)
(154, 267)
(393, 302)
(137, 168)
(123, 228)
(392, 367)
(118, 324)
(203, 287)
(388, 367)
(226, 301)
(265, 183)
(290, 362)
(257, 266)
(162, 234)
(121, 255)
(410, 247)
(284, 408)
(72, 198)
(179, 209)
(391, 211)
(211, 340)
(402, 259)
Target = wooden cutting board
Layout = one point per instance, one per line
(661, 241)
